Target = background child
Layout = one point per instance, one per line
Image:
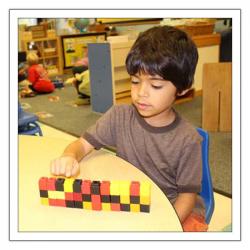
(38, 76)
(81, 80)
(150, 134)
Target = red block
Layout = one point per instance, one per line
(60, 203)
(135, 188)
(51, 183)
(69, 196)
(52, 202)
(115, 206)
(77, 196)
(43, 183)
(105, 188)
(86, 186)
(96, 202)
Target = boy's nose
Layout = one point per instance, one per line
(143, 92)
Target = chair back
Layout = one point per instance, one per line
(27, 123)
(207, 186)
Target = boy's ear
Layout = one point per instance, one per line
(183, 92)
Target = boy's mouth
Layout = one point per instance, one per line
(142, 106)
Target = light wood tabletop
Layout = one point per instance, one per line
(35, 154)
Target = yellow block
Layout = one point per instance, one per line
(135, 207)
(87, 205)
(115, 188)
(68, 184)
(145, 188)
(124, 188)
(145, 200)
(106, 206)
(45, 201)
(59, 195)
(125, 199)
(51, 194)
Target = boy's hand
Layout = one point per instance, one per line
(65, 165)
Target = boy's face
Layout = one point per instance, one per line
(153, 97)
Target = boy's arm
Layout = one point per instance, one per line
(68, 163)
(184, 205)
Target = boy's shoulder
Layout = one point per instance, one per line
(187, 131)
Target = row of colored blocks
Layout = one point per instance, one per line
(131, 196)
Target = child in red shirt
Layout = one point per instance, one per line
(38, 75)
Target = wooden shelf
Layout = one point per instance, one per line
(40, 46)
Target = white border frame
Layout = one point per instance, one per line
(235, 14)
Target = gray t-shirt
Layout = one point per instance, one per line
(169, 155)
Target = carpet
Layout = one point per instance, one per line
(58, 110)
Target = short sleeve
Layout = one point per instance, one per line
(103, 132)
(189, 171)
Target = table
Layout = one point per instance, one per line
(35, 154)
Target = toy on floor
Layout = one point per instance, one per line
(58, 83)
(130, 196)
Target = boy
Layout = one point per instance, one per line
(149, 133)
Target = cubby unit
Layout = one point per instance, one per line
(48, 50)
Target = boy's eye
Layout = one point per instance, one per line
(156, 86)
(134, 82)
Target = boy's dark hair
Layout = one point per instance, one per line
(165, 51)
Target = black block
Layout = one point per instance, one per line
(70, 203)
(134, 199)
(59, 184)
(125, 207)
(145, 208)
(105, 198)
(44, 193)
(95, 187)
(86, 197)
(77, 186)
(78, 204)
(115, 198)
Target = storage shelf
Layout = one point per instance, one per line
(44, 46)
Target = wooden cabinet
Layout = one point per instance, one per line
(48, 50)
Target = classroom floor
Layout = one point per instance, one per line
(222, 217)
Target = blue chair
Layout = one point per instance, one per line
(27, 123)
(207, 186)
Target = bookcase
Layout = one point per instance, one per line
(48, 50)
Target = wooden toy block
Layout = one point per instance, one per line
(51, 184)
(125, 192)
(96, 202)
(135, 207)
(115, 206)
(125, 207)
(106, 206)
(86, 187)
(68, 185)
(77, 186)
(44, 201)
(69, 196)
(145, 194)
(60, 184)
(95, 187)
(96, 195)
(105, 188)
(43, 183)
(135, 188)
(87, 205)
